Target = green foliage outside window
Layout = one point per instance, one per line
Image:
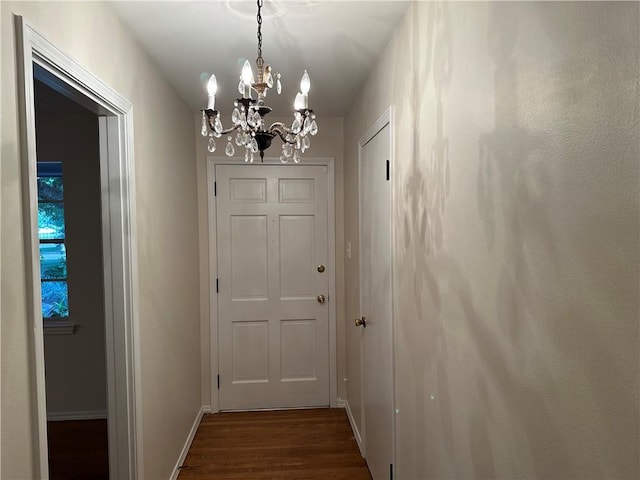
(50, 188)
(51, 231)
(51, 220)
(55, 299)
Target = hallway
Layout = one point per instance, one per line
(513, 171)
(301, 444)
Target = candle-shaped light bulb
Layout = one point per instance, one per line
(212, 85)
(305, 83)
(298, 104)
(247, 73)
(247, 79)
(305, 86)
(212, 88)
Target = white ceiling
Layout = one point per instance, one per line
(337, 42)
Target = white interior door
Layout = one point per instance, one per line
(273, 327)
(376, 304)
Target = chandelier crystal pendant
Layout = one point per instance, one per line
(249, 130)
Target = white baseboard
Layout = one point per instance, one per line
(187, 443)
(79, 415)
(354, 427)
(341, 403)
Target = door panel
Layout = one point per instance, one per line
(376, 304)
(273, 333)
(298, 344)
(249, 269)
(297, 244)
(250, 351)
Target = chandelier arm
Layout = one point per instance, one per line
(283, 138)
(211, 119)
(281, 129)
(229, 130)
(281, 126)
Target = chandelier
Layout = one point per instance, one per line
(248, 116)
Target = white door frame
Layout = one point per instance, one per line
(213, 266)
(119, 246)
(385, 119)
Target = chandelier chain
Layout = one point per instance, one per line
(260, 3)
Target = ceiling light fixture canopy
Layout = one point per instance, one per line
(248, 115)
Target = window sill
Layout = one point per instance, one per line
(59, 327)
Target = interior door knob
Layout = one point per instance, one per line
(320, 298)
(361, 322)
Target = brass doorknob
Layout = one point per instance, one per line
(361, 322)
(320, 298)
(320, 268)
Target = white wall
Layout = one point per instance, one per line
(516, 238)
(328, 143)
(167, 230)
(75, 364)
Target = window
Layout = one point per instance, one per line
(51, 233)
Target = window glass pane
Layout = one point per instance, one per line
(50, 221)
(50, 188)
(53, 261)
(55, 299)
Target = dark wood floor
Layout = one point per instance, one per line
(78, 449)
(288, 444)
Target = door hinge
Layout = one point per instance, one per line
(391, 471)
(388, 169)
(218, 382)
(215, 189)
(217, 286)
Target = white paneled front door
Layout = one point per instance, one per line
(273, 325)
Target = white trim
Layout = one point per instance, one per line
(32, 270)
(188, 442)
(119, 247)
(333, 298)
(379, 124)
(328, 162)
(79, 415)
(354, 428)
(386, 118)
(392, 150)
(213, 298)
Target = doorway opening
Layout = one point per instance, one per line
(72, 284)
(51, 306)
